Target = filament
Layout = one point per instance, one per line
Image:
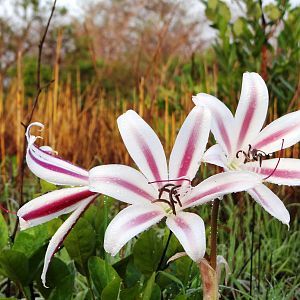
(168, 180)
(7, 211)
(280, 155)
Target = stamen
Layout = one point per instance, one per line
(280, 155)
(168, 180)
(7, 211)
(171, 189)
(252, 155)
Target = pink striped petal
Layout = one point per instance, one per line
(45, 164)
(219, 185)
(190, 144)
(122, 183)
(286, 127)
(51, 205)
(128, 223)
(270, 202)
(222, 121)
(143, 146)
(62, 233)
(287, 171)
(252, 109)
(190, 231)
(215, 156)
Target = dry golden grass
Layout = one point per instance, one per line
(81, 125)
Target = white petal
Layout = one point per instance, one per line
(287, 171)
(143, 146)
(51, 205)
(215, 156)
(122, 183)
(128, 223)
(252, 109)
(286, 127)
(45, 164)
(270, 202)
(190, 144)
(222, 120)
(190, 231)
(62, 233)
(219, 185)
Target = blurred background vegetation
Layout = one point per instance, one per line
(151, 56)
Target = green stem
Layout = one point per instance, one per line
(214, 233)
(90, 286)
(164, 252)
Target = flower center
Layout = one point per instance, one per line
(169, 193)
(253, 154)
(172, 191)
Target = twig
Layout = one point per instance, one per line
(214, 233)
(39, 89)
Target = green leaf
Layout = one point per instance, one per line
(149, 287)
(29, 241)
(80, 242)
(64, 290)
(47, 186)
(3, 232)
(238, 26)
(173, 278)
(131, 293)
(224, 11)
(60, 281)
(156, 292)
(212, 4)
(272, 11)
(112, 290)
(101, 273)
(147, 252)
(15, 265)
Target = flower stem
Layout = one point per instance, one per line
(214, 232)
(164, 252)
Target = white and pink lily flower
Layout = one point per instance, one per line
(44, 163)
(162, 190)
(242, 144)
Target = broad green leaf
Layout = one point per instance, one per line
(121, 265)
(212, 4)
(238, 26)
(47, 186)
(101, 273)
(147, 252)
(3, 232)
(272, 11)
(112, 290)
(131, 293)
(132, 274)
(15, 265)
(31, 240)
(95, 215)
(224, 11)
(156, 292)
(80, 243)
(173, 278)
(64, 290)
(149, 287)
(180, 297)
(59, 280)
